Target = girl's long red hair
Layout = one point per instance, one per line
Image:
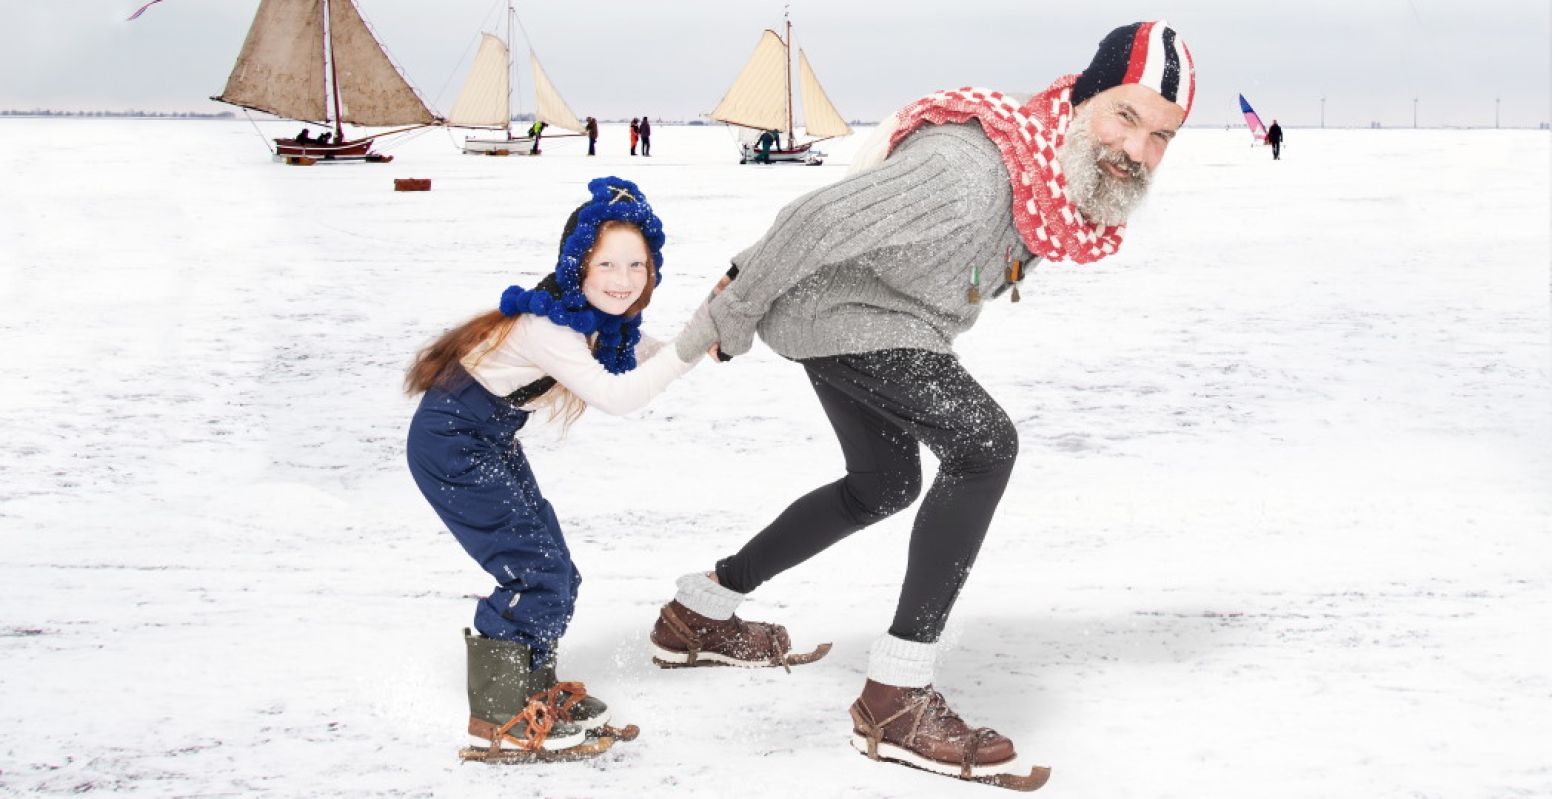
(438, 363)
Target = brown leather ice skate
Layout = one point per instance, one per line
(916, 727)
(683, 638)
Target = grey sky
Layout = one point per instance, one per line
(674, 58)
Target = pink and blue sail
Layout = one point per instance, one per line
(1254, 124)
(143, 8)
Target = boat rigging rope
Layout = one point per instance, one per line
(396, 141)
(262, 137)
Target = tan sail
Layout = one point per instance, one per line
(281, 67)
(483, 102)
(372, 91)
(821, 119)
(550, 108)
(759, 96)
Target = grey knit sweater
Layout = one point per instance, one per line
(879, 260)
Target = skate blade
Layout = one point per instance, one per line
(588, 749)
(627, 733)
(666, 659)
(987, 775)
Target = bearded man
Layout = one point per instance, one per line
(866, 283)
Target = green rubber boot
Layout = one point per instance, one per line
(499, 685)
(575, 703)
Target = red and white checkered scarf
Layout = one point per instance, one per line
(1028, 136)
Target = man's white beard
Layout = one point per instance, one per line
(1101, 197)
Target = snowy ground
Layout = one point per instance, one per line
(1280, 527)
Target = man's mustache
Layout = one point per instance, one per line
(1118, 158)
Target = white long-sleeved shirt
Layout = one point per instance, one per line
(536, 347)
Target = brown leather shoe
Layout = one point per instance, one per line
(683, 637)
(916, 726)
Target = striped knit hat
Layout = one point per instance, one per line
(1148, 53)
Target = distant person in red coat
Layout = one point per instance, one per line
(634, 135)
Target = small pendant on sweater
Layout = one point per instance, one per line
(1014, 278)
(973, 296)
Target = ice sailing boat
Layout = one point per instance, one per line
(316, 61)
(762, 100)
(486, 101)
(1254, 124)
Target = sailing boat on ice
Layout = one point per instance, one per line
(486, 101)
(296, 66)
(1254, 124)
(762, 99)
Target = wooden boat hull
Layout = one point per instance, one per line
(290, 151)
(497, 146)
(797, 155)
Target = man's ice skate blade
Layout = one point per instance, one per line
(998, 774)
(670, 659)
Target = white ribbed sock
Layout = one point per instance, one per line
(703, 595)
(902, 663)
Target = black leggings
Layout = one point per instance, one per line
(882, 405)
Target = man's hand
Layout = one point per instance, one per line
(718, 288)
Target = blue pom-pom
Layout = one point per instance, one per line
(583, 321)
(512, 301)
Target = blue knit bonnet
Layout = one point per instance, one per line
(559, 296)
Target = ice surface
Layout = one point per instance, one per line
(1280, 525)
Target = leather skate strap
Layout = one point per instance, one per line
(561, 697)
(974, 744)
(876, 730)
(918, 709)
(537, 719)
(775, 654)
(863, 722)
(683, 632)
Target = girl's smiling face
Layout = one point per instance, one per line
(616, 270)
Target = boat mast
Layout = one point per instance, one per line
(788, 72)
(333, 76)
(507, 101)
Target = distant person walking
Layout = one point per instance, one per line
(634, 135)
(1275, 137)
(534, 131)
(591, 127)
(643, 131)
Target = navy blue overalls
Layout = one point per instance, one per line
(467, 461)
